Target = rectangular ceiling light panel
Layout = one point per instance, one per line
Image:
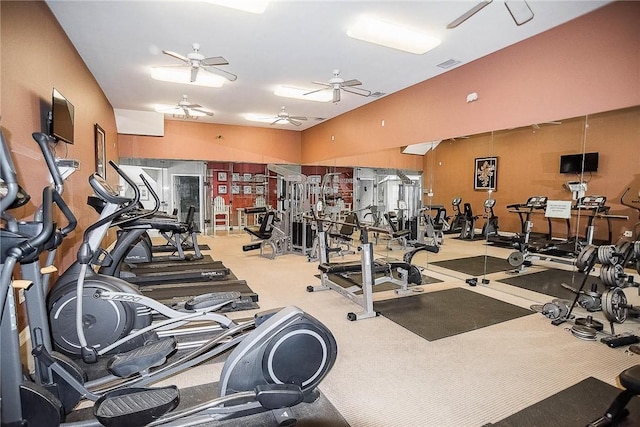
(392, 35)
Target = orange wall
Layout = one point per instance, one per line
(36, 57)
(589, 65)
(203, 141)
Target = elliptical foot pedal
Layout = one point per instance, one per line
(135, 406)
(140, 359)
(208, 300)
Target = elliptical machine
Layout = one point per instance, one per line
(277, 365)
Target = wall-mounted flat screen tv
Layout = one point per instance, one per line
(61, 118)
(572, 163)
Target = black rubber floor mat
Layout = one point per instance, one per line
(441, 314)
(475, 266)
(576, 406)
(549, 282)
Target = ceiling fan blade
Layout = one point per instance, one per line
(293, 122)
(519, 11)
(315, 91)
(468, 14)
(352, 82)
(194, 74)
(176, 55)
(322, 83)
(214, 60)
(229, 76)
(336, 95)
(276, 121)
(298, 117)
(208, 113)
(194, 106)
(357, 91)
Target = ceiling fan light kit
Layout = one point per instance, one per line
(392, 35)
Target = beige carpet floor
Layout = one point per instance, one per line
(388, 376)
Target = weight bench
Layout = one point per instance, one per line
(398, 235)
(630, 380)
(271, 239)
(343, 238)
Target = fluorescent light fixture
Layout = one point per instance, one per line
(392, 35)
(183, 75)
(262, 118)
(298, 93)
(420, 149)
(172, 109)
(252, 6)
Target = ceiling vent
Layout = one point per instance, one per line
(377, 94)
(448, 64)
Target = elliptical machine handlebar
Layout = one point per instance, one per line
(43, 141)
(142, 213)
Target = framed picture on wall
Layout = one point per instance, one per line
(222, 189)
(222, 176)
(246, 177)
(485, 173)
(101, 150)
(235, 189)
(259, 189)
(246, 189)
(235, 176)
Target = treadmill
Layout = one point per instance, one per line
(526, 236)
(168, 283)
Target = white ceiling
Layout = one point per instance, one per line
(293, 43)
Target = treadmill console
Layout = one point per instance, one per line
(537, 202)
(105, 191)
(591, 202)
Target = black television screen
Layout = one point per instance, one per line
(572, 163)
(61, 118)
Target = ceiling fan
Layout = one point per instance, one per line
(196, 61)
(188, 109)
(518, 9)
(336, 83)
(283, 116)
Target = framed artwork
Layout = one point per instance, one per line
(101, 151)
(486, 173)
(246, 189)
(144, 193)
(235, 189)
(222, 176)
(235, 177)
(259, 189)
(222, 189)
(246, 177)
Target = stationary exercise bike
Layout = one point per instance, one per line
(277, 365)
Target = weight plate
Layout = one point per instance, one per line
(623, 248)
(583, 260)
(606, 255)
(612, 275)
(584, 332)
(551, 311)
(536, 307)
(590, 322)
(516, 259)
(614, 305)
(563, 304)
(589, 302)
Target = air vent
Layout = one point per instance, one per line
(448, 64)
(377, 94)
(319, 118)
